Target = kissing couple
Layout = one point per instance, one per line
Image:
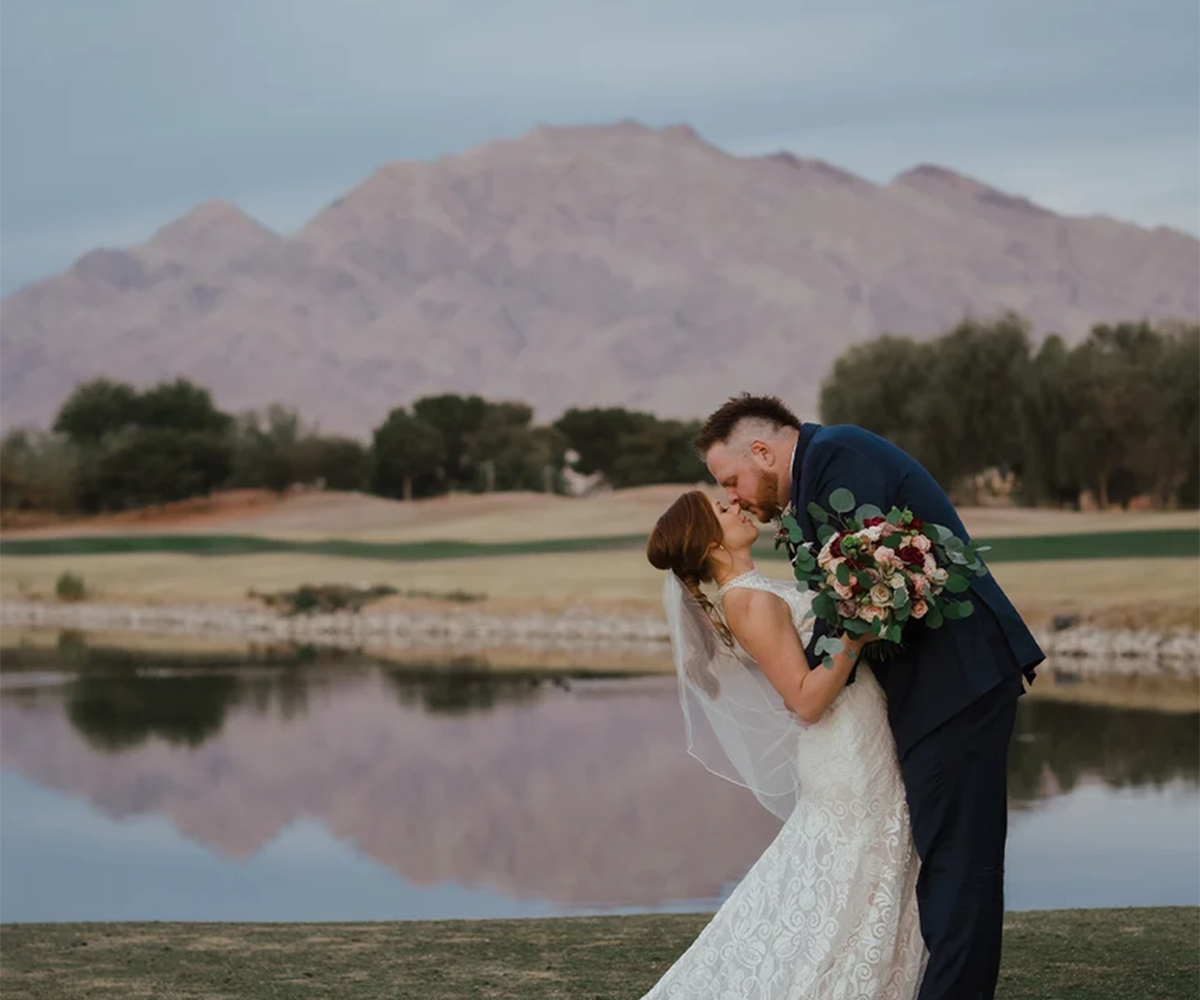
(886, 881)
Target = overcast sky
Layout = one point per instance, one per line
(118, 115)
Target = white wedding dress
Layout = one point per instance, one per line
(829, 912)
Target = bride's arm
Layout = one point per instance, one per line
(762, 623)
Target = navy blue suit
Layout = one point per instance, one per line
(952, 696)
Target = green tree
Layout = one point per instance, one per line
(660, 452)
(338, 463)
(969, 401)
(182, 406)
(521, 457)
(1119, 413)
(877, 386)
(1174, 451)
(152, 465)
(1049, 409)
(38, 472)
(96, 409)
(597, 435)
(458, 419)
(408, 457)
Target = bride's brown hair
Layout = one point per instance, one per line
(681, 542)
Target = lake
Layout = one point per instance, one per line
(141, 789)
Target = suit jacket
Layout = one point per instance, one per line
(938, 672)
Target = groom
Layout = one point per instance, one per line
(952, 692)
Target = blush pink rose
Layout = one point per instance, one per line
(869, 613)
(847, 609)
(919, 608)
(929, 565)
(921, 543)
(885, 557)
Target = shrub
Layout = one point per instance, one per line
(70, 587)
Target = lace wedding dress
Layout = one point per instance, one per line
(829, 912)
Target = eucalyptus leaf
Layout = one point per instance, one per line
(902, 614)
(895, 634)
(856, 626)
(841, 500)
(900, 598)
(864, 581)
(876, 627)
(933, 618)
(792, 526)
(958, 584)
(867, 510)
(817, 513)
(843, 574)
(825, 532)
(894, 515)
(967, 609)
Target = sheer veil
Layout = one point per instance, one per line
(736, 723)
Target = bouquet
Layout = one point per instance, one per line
(876, 572)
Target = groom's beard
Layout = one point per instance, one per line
(766, 500)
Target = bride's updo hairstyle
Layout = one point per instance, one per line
(680, 543)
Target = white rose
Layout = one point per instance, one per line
(881, 596)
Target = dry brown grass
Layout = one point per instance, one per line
(515, 517)
(1158, 593)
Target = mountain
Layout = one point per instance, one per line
(574, 266)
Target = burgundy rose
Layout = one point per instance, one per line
(916, 524)
(835, 549)
(873, 522)
(911, 555)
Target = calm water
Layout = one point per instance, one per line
(355, 792)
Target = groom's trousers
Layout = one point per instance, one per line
(956, 784)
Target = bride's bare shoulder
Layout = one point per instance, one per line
(746, 604)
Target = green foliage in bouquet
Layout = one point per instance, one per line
(874, 573)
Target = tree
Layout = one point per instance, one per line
(1119, 410)
(96, 409)
(970, 398)
(183, 406)
(522, 457)
(1175, 448)
(38, 472)
(408, 457)
(660, 452)
(458, 419)
(151, 465)
(1049, 408)
(339, 463)
(879, 386)
(597, 435)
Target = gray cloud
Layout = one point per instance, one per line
(116, 117)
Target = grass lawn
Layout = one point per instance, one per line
(1159, 543)
(1150, 954)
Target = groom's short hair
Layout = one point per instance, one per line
(722, 423)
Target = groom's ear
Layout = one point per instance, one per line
(762, 453)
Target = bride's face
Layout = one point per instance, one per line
(737, 529)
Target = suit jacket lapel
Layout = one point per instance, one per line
(800, 483)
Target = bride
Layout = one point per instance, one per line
(829, 912)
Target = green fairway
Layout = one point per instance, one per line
(1150, 954)
(1162, 543)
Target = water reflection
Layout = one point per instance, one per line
(568, 794)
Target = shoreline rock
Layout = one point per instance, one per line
(1080, 649)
